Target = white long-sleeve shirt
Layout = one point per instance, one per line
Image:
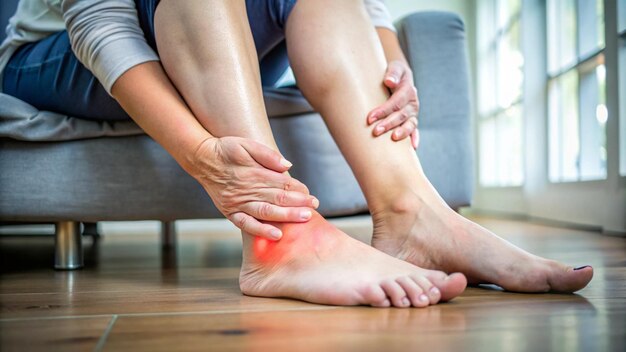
(105, 34)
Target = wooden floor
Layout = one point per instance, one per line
(133, 297)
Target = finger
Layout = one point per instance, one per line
(393, 75)
(392, 121)
(415, 138)
(288, 198)
(270, 212)
(271, 179)
(405, 130)
(401, 97)
(252, 226)
(265, 156)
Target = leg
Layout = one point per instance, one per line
(68, 246)
(43, 66)
(341, 76)
(207, 50)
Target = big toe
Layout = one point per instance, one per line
(450, 285)
(572, 279)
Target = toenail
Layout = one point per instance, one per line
(405, 301)
(435, 291)
(582, 267)
(305, 215)
(424, 298)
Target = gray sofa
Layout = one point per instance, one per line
(60, 169)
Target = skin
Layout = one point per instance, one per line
(399, 112)
(208, 55)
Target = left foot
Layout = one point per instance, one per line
(429, 234)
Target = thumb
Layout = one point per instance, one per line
(266, 156)
(394, 74)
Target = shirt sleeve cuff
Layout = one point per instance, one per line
(112, 60)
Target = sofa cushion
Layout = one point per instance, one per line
(22, 121)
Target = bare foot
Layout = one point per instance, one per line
(316, 262)
(427, 233)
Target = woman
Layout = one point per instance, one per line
(200, 97)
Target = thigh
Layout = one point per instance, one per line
(267, 20)
(47, 75)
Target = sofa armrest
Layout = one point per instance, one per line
(434, 44)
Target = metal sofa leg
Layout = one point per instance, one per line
(168, 234)
(68, 246)
(91, 229)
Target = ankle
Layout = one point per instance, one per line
(314, 235)
(406, 203)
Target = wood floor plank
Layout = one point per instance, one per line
(76, 334)
(189, 300)
(457, 326)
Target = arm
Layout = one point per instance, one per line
(106, 37)
(391, 45)
(146, 94)
(400, 111)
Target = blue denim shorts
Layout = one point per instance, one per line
(47, 74)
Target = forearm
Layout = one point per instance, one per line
(391, 45)
(148, 96)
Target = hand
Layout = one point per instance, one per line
(247, 182)
(399, 112)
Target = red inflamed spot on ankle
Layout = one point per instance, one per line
(260, 247)
(266, 250)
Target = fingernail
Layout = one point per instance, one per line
(276, 234)
(434, 291)
(396, 134)
(392, 79)
(380, 129)
(582, 267)
(306, 214)
(424, 298)
(284, 162)
(405, 301)
(316, 203)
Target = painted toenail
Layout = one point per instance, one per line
(434, 291)
(305, 215)
(405, 301)
(582, 267)
(424, 298)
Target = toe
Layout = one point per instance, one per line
(382, 304)
(396, 294)
(375, 296)
(452, 286)
(414, 292)
(430, 290)
(571, 279)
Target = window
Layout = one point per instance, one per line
(500, 85)
(577, 109)
(621, 7)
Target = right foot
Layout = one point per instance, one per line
(315, 262)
